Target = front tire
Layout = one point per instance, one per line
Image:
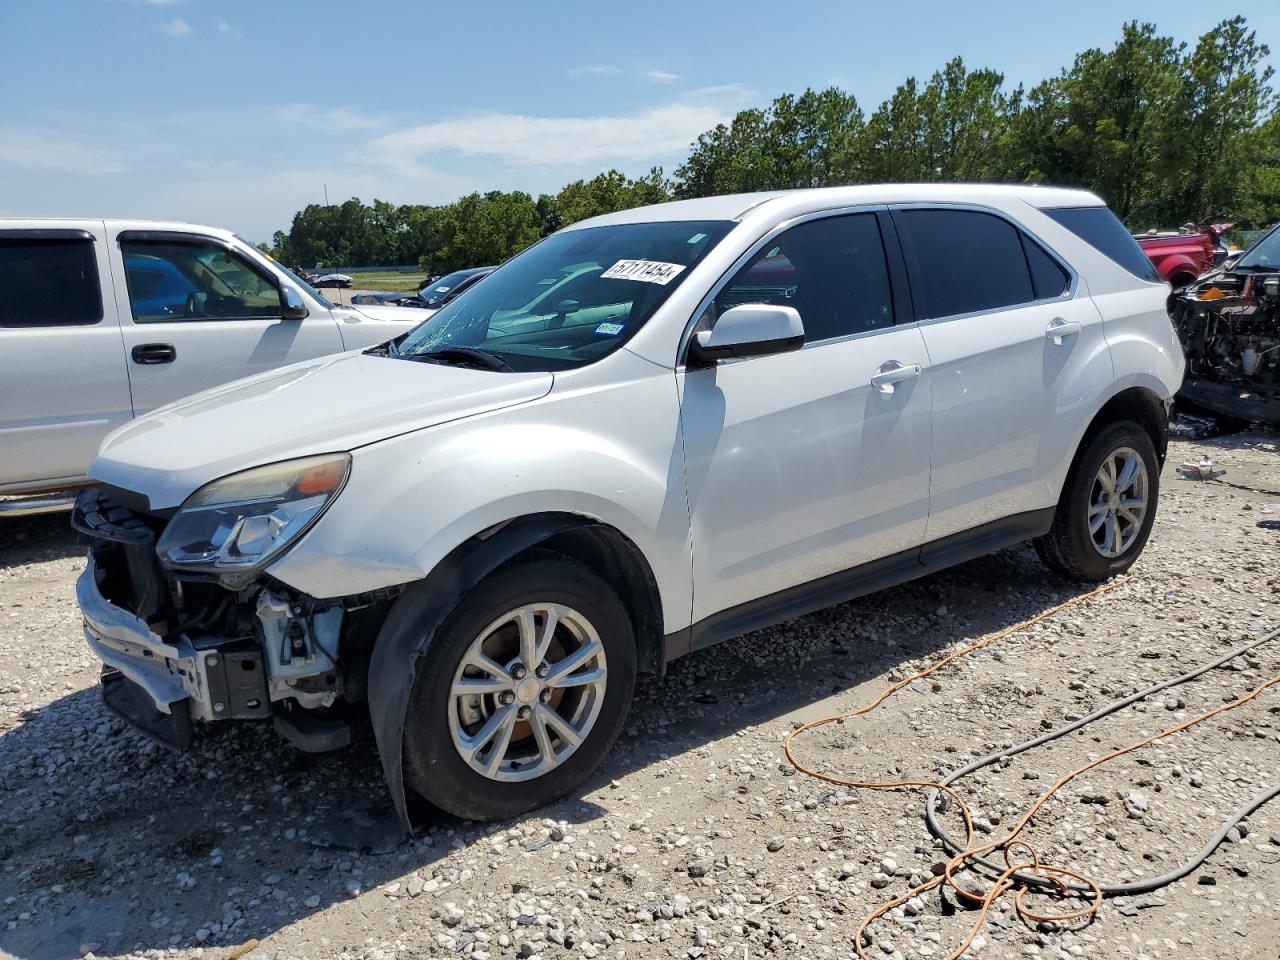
(1107, 507)
(522, 692)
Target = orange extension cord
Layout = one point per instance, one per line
(1009, 846)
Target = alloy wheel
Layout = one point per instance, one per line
(1118, 502)
(527, 692)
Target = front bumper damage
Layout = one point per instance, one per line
(181, 682)
(176, 654)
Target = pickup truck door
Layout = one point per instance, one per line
(63, 382)
(195, 312)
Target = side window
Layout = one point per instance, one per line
(832, 270)
(48, 283)
(189, 280)
(967, 261)
(1048, 279)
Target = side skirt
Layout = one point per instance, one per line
(858, 581)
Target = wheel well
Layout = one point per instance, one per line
(1138, 404)
(615, 558)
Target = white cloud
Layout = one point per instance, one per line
(553, 141)
(225, 27)
(40, 152)
(661, 76)
(177, 27)
(595, 70)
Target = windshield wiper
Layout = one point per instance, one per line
(469, 355)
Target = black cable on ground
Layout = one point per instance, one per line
(1112, 889)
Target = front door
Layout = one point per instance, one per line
(195, 314)
(804, 464)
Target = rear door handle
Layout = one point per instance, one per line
(147, 353)
(894, 372)
(1059, 328)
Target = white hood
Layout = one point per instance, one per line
(391, 313)
(322, 406)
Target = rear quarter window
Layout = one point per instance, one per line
(1102, 230)
(48, 283)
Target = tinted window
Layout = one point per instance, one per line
(1048, 279)
(831, 270)
(1102, 230)
(189, 280)
(48, 283)
(967, 262)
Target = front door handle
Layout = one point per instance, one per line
(147, 353)
(1059, 328)
(894, 372)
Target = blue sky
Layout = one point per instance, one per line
(238, 113)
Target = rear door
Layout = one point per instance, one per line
(63, 382)
(195, 313)
(1018, 359)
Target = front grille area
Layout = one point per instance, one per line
(124, 547)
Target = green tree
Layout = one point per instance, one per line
(606, 193)
(1225, 96)
(482, 229)
(806, 141)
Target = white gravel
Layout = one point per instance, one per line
(697, 839)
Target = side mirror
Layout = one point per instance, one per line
(749, 330)
(291, 304)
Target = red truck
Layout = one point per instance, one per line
(1183, 255)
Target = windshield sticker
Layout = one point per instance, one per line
(697, 238)
(649, 271)
(609, 329)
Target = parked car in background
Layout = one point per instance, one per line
(436, 293)
(650, 432)
(101, 321)
(433, 294)
(1182, 255)
(332, 281)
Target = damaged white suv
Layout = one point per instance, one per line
(649, 432)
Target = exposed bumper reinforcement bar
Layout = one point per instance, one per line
(175, 678)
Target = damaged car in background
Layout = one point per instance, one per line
(1229, 325)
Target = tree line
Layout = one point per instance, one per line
(1167, 133)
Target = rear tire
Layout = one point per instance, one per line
(1098, 532)
(539, 654)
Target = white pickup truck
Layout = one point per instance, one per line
(103, 321)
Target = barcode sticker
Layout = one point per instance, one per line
(649, 271)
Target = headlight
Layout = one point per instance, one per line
(233, 526)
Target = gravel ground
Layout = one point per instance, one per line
(697, 839)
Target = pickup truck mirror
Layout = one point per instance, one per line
(748, 330)
(291, 304)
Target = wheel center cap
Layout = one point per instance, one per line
(527, 690)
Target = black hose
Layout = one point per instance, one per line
(1108, 889)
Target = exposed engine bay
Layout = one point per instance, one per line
(1229, 325)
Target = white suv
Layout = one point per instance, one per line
(736, 410)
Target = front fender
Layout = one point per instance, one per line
(413, 622)
(411, 500)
